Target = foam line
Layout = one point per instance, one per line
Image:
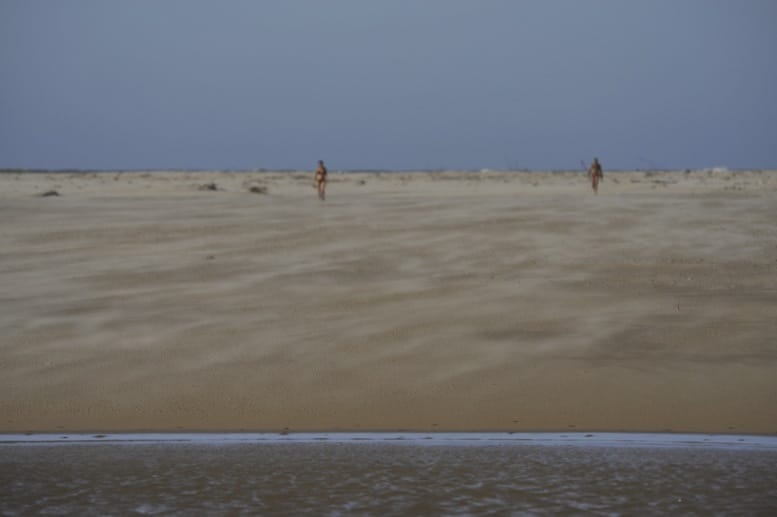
(661, 440)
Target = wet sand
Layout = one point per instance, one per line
(384, 478)
(420, 301)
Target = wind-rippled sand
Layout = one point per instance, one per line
(424, 301)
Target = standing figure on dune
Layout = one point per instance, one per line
(595, 173)
(321, 180)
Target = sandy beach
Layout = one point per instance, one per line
(429, 301)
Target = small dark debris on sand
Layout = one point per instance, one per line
(49, 193)
(258, 189)
(208, 186)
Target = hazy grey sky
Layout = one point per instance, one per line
(388, 83)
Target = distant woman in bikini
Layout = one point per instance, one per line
(595, 173)
(321, 180)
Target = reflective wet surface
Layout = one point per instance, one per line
(384, 477)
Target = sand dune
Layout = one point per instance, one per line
(423, 301)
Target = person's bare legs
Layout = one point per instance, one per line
(322, 190)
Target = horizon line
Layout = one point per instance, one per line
(11, 170)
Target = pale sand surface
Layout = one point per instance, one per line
(419, 301)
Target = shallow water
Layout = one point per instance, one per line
(389, 475)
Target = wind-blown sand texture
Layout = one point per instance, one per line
(419, 301)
